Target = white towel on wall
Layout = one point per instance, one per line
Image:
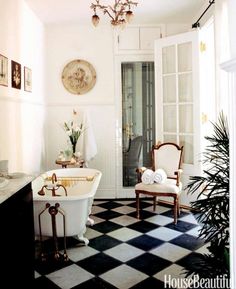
(147, 177)
(159, 176)
(87, 144)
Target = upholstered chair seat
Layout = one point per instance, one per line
(168, 187)
(166, 157)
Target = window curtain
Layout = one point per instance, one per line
(229, 66)
(222, 50)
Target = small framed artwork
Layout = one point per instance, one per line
(27, 79)
(15, 75)
(3, 70)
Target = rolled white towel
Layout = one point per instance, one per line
(159, 176)
(147, 177)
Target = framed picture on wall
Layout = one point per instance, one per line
(3, 70)
(27, 79)
(15, 75)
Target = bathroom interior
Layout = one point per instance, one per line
(130, 105)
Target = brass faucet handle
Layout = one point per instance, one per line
(54, 178)
(63, 188)
(41, 192)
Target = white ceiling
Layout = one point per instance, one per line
(147, 11)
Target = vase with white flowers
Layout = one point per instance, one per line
(74, 129)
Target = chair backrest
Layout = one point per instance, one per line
(167, 156)
(134, 152)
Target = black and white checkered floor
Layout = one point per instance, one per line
(124, 252)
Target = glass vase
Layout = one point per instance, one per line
(73, 147)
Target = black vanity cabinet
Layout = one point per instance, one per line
(17, 239)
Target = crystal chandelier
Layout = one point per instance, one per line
(120, 13)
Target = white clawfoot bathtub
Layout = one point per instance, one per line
(81, 185)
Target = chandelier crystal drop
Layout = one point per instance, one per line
(120, 12)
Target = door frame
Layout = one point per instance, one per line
(123, 192)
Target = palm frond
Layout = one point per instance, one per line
(212, 189)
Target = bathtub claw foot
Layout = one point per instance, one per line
(90, 221)
(83, 239)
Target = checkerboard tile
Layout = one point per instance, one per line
(106, 227)
(170, 252)
(174, 270)
(91, 233)
(99, 263)
(159, 209)
(143, 226)
(124, 276)
(81, 252)
(123, 251)
(188, 242)
(125, 220)
(97, 209)
(145, 242)
(124, 209)
(69, 276)
(164, 234)
(149, 263)
(160, 220)
(95, 282)
(124, 234)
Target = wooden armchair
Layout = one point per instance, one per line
(167, 156)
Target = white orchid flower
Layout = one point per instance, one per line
(77, 128)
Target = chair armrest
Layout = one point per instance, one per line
(139, 172)
(178, 174)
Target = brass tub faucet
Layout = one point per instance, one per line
(52, 187)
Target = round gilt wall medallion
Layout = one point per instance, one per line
(78, 76)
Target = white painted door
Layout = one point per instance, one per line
(177, 99)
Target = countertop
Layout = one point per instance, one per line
(17, 182)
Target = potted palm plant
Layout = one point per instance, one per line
(212, 204)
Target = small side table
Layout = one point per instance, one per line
(64, 164)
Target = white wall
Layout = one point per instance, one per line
(232, 23)
(22, 113)
(176, 28)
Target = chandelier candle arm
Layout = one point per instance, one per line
(115, 12)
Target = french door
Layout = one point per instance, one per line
(177, 99)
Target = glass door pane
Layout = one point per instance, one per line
(138, 117)
(186, 118)
(187, 142)
(169, 118)
(185, 87)
(185, 57)
(169, 88)
(168, 59)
